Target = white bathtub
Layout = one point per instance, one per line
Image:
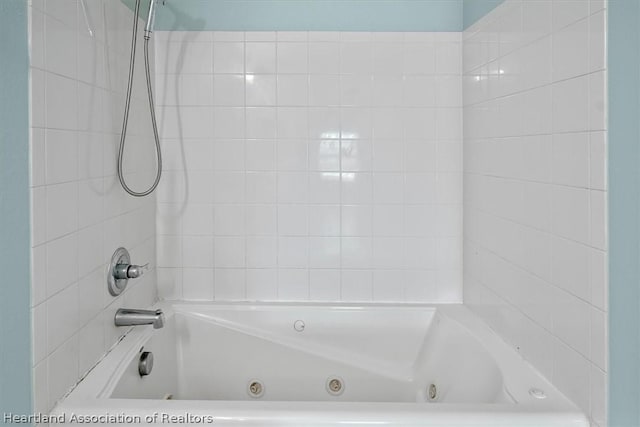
(386, 359)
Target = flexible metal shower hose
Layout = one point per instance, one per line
(123, 134)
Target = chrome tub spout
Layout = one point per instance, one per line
(134, 317)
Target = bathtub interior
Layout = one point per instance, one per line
(377, 354)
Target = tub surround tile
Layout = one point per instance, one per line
(325, 149)
(535, 188)
(79, 214)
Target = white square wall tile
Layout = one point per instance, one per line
(261, 90)
(39, 215)
(260, 155)
(39, 333)
(230, 284)
(228, 122)
(293, 284)
(298, 156)
(421, 286)
(261, 123)
(571, 213)
(197, 58)
(571, 159)
(41, 388)
(62, 370)
(262, 252)
(61, 263)
(61, 156)
(229, 155)
(598, 396)
(388, 220)
(197, 251)
(570, 267)
(293, 89)
(62, 209)
(229, 252)
(260, 57)
(356, 58)
(387, 53)
(198, 284)
(324, 252)
(324, 285)
(260, 187)
(566, 12)
(386, 286)
(597, 101)
(38, 275)
(324, 90)
(598, 278)
(599, 338)
(170, 283)
(356, 252)
(598, 219)
(292, 58)
(324, 57)
(324, 188)
(356, 154)
(197, 90)
(357, 220)
(571, 51)
(571, 105)
(597, 48)
(419, 58)
(62, 317)
(571, 374)
(229, 57)
(388, 253)
(448, 58)
(169, 251)
(91, 345)
(261, 220)
(262, 284)
(228, 90)
(598, 160)
(324, 220)
(357, 285)
(293, 252)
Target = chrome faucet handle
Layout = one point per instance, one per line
(129, 271)
(121, 270)
(135, 271)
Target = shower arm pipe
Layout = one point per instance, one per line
(125, 121)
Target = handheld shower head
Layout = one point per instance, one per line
(127, 105)
(150, 18)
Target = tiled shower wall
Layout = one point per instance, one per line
(310, 166)
(535, 187)
(80, 215)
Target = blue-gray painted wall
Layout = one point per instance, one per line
(473, 10)
(15, 335)
(624, 212)
(318, 15)
(309, 15)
